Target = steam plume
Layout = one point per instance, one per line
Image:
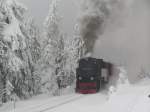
(96, 14)
(91, 26)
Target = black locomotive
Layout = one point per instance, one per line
(92, 74)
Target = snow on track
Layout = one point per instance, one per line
(130, 98)
(127, 98)
(47, 107)
(86, 104)
(40, 104)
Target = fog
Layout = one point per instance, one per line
(68, 11)
(126, 41)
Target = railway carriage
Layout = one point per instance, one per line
(91, 75)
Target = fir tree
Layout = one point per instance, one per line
(16, 54)
(31, 54)
(53, 49)
(74, 49)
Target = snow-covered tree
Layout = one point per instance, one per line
(74, 50)
(32, 34)
(11, 39)
(31, 54)
(15, 47)
(52, 53)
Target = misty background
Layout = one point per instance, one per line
(125, 40)
(68, 10)
(128, 42)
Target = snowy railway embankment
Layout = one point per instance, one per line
(133, 98)
(40, 103)
(126, 98)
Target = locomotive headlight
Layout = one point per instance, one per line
(80, 78)
(92, 78)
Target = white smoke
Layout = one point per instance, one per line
(126, 40)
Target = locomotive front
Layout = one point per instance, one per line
(89, 78)
(88, 75)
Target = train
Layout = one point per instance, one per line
(92, 74)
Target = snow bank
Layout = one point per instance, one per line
(128, 98)
(118, 81)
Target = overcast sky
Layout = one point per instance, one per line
(68, 11)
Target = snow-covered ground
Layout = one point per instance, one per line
(126, 98)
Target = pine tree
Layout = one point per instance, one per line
(52, 58)
(31, 54)
(16, 55)
(74, 50)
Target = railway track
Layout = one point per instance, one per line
(72, 99)
(49, 106)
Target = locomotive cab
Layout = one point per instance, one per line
(90, 76)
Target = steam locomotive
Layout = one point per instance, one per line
(92, 74)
